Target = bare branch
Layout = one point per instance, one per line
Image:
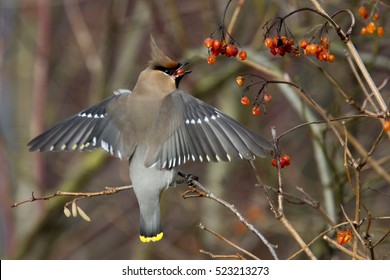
(107, 191)
(201, 191)
(201, 226)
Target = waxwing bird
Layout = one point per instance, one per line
(156, 127)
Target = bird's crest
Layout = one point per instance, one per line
(158, 57)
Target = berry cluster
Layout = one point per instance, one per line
(321, 50)
(221, 47)
(370, 27)
(280, 45)
(240, 80)
(284, 160)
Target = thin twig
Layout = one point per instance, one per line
(316, 238)
(278, 211)
(201, 226)
(361, 66)
(353, 225)
(322, 122)
(343, 249)
(361, 84)
(206, 193)
(224, 257)
(236, 12)
(279, 170)
(107, 191)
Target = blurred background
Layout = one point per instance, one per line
(58, 57)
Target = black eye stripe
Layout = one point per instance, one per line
(168, 71)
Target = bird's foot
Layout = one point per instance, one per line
(188, 178)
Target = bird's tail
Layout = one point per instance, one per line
(150, 225)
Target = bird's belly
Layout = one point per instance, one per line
(154, 180)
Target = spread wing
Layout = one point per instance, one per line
(199, 132)
(92, 128)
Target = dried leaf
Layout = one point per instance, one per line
(74, 208)
(344, 237)
(67, 212)
(83, 214)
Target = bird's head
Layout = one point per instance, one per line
(165, 65)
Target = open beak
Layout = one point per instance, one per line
(180, 72)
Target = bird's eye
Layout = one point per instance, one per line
(168, 71)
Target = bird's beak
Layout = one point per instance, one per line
(180, 72)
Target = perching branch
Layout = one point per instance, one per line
(198, 190)
(107, 191)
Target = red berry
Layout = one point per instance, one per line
(245, 101)
(215, 52)
(216, 44)
(331, 58)
(256, 111)
(380, 31)
(286, 160)
(211, 59)
(303, 44)
(284, 40)
(363, 31)
(323, 56)
(363, 12)
(371, 28)
(296, 52)
(311, 49)
(273, 162)
(267, 98)
(282, 162)
(386, 125)
(375, 16)
(287, 48)
(235, 52)
(208, 43)
(280, 50)
(242, 55)
(268, 42)
(231, 50)
(272, 51)
(240, 80)
(324, 42)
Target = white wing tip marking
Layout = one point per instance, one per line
(120, 91)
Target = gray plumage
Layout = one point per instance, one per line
(157, 127)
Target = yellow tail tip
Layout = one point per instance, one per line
(155, 238)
